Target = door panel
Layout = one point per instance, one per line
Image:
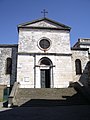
(42, 78)
(45, 78)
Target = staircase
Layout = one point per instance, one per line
(48, 97)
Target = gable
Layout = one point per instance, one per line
(44, 23)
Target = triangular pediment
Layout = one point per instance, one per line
(44, 23)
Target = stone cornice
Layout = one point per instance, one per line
(55, 54)
(44, 28)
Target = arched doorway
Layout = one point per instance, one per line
(45, 72)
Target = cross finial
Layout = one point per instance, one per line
(44, 12)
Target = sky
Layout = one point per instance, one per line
(73, 13)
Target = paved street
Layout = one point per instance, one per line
(81, 112)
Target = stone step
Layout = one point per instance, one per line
(48, 97)
(46, 92)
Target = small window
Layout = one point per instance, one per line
(78, 67)
(8, 66)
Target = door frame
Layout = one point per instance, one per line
(44, 65)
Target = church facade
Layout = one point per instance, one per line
(43, 57)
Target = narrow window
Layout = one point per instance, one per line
(8, 66)
(78, 66)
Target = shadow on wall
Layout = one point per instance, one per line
(85, 76)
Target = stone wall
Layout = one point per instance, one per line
(7, 51)
(81, 54)
(28, 71)
(29, 39)
(61, 72)
(25, 71)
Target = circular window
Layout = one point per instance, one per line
(44, 44)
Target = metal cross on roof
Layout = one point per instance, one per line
(44, 12)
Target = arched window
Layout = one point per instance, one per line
(78, 66)
(8, 66)
(45, 62)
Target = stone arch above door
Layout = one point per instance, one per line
(45, 61)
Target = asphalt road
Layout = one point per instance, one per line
(79, 112)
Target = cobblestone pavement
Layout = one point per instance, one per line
(80, 112)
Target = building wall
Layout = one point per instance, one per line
(61, 71)
(7, 52)
(29, 39)
(25, 71)
(83, 56)
(28, 71)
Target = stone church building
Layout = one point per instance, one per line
(43, 57)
